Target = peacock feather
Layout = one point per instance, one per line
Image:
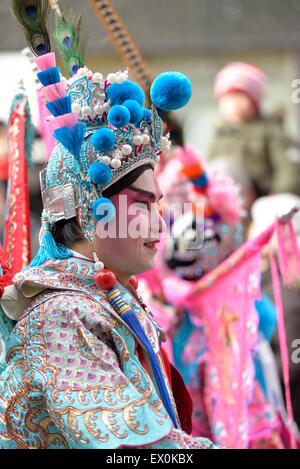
(67, 36)
(132, 56)
(123, 42)
(33, 15)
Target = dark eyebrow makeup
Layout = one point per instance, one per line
(144, 192)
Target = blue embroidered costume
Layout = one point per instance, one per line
(73, 378)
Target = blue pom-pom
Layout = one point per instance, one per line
(100, 173)
(60, 106)
(118, 116)
(71, 138)
(147, 115)
(136, 111)
(171, 91)
(201, 181)
(49, 76)
(267, 316)
(103, 140)
(104, 210)
(120, 92)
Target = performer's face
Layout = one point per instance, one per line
(236, 108)
(135, 232)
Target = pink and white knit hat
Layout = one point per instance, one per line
(240, 76)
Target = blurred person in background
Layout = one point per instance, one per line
(209, 368)
(228, 166)
(255, 141)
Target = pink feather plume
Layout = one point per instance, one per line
(55, 91)
(223, 195)
(46, 61)
(66, 120)
(188, 156)
(222, 192)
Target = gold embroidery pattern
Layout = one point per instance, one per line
(80, 382)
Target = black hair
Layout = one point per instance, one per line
(126, 181)
(67, 232)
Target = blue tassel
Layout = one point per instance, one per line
(60, 106)
(49, 76)
(267, 317)
(135, 325)
(71, 138)
(48, 247)
(50, 250)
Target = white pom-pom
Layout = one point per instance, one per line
(111, 78)
(137, 140)
(98, 109)
(126, 149)
(105, 160)
(115, 163)
(82, 72)
(97, 77)
(76, 107)
(117, 154)
(86, 110)
(165, 143)
(98, 266)
(120, 77)
(146, 139)
(106, 105)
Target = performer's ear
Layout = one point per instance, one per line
(68, 232)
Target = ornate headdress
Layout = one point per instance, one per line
(103, 129)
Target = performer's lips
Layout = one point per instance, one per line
(152, 245)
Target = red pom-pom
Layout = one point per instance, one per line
(105, 279)
(134, 282)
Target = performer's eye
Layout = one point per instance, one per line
(143, 203)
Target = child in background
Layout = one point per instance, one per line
(256, 142)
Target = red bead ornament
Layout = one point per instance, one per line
(105, 279)
(134, 282)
